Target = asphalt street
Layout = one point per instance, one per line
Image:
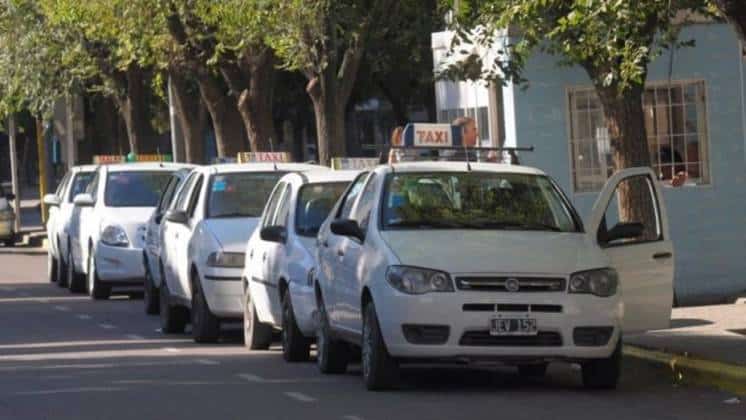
(64, 356)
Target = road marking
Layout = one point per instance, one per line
(107, 326)
(43, 300)
(171, 350)
(207, 362)
(251, 378)
(83, 316)
(135, 337)
(352, 418)
(70, 391)
(62, 308)
(300, 397)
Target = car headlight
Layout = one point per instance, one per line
(226, 259)
(418, 281)
(602, 283)
(114, 235)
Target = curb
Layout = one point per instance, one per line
(728, 377)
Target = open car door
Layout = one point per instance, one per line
(629, 222)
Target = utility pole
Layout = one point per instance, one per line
(42, 157)
(72, 148)
(14, 171)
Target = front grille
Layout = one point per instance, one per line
(592, 336)
(426, 334)
(500, 284)
(510, 307)
(483, 338)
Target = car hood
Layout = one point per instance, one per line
(462, 251)
(232, 233)
(132, 219)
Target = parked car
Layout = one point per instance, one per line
(107, 230)
(430, 261)
(61, 210)
(7, 219)
(277, 277)
(153, 241)
(204, 238)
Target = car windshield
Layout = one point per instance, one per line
(475, 200)
(135, 188)
(315, 201)
(79, 184)
(240, 194)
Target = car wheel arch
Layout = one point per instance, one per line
(365, 298)
(282, 287)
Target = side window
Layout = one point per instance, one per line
(181, 199)
(93, 186)
(167, 194)
(349, 199)
(63, 184)
(633, 214)
(196, 191)
(271, 208)
(366, 203)
(281, 218)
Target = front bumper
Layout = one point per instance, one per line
(223, 291)
(467, 322)
(119, 264)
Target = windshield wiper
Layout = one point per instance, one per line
(430, 224)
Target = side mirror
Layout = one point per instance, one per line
(274, 234)
(177, 216)
(631, 230)
(10, 196)
(83, 200)
(347, 227)
(158, 218)
(49, 199)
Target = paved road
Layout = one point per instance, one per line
(66, 357)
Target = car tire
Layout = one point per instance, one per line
(173, 318)
(603, 373)
(295, 346)
(96, 289)
(52, 268)
(205, 325)
(150, 292)
(380, 370)
(332, 356)
(76, 282)
(256, 335)
(536, 370)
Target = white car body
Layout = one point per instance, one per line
(187, 246)
(61, 209)
(352, 273)
(114, 265)
(271, 267)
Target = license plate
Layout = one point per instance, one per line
(513, 326)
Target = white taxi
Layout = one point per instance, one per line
(429, 261)
(204, 238)
(277, 278)
(107, 229)
(61, 210)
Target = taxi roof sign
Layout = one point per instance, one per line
(343, 163)
(431, 135)
(104, 159)
(258, 157)
(109, 159)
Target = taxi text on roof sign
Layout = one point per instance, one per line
(431, 135)
(246, 157)
(343, 163)
(104, 159)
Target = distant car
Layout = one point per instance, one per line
(153, 241)
(281, 253)
(7, 218)
(61, 210)
(437, 261)
(107, 230)
(204, 238)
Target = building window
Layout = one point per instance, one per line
(446, 116)
(676, 126)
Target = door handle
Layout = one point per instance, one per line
(340, 252)
(325, 243)
(251, 254)
(662, 255)
(264, 257)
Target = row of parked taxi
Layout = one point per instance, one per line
(401, 263)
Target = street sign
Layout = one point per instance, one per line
(354, 163)
(259, 157)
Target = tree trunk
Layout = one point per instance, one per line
(134, 105)
(190, 114)
(230, 134)
(330, 124)
(626, 125)
(735, 12)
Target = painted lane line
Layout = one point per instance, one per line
(171, 350)
(107, 326)
(83, 316)
(62, 308)
(251, 378)
(135, 337)
(70, 391)
(206, 362)
(43, 300)
(298, 396)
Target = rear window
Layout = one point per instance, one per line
(315, 201)
(79, 184)
(240, 194)
(135, 188)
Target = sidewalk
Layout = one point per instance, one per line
(705, 345)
